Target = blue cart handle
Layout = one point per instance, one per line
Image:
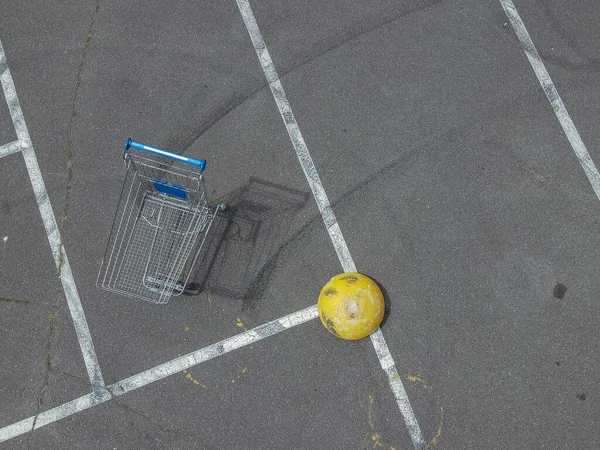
(201, 163)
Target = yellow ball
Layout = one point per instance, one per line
(351, 306)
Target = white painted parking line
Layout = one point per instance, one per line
(291, 125)
(10, 93)
(52, 415)
(333, 228)
(552, 94)
(10, 148)
(159, 372)
(212, 351)
(389, 366)
(51, 226)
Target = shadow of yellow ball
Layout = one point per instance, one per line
(351, 306)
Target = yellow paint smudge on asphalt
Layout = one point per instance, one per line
(417, 379)
(375, 436)
(239, 376)
(189, 376)
(439, 430)
(240, 324)
(412, 378)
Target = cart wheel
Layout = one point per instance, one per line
(222, 206)
(191, 289)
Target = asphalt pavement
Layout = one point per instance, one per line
(451, 178)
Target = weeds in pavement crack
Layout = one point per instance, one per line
(65, 214)
(53, 317)
(14, 300)
(78, 82)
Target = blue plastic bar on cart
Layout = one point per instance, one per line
(201, 163)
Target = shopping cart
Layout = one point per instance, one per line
(161, 224)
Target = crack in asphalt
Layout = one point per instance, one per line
(47, 369)
(78, 82)
(165, 430)
(83, 380)
(52, 328)
(14, 300)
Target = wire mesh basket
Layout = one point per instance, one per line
(161, 223)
